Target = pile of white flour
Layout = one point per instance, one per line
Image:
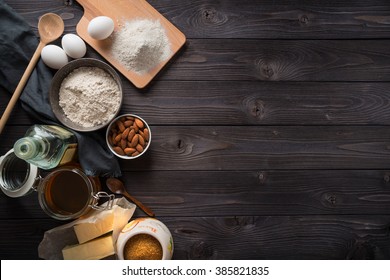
(89, 96)
(140, 45)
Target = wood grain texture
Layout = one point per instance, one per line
(232, 237)
(243, 148)
(250, 19)
(278, 19)
(270, 132)
(281, 60)
(238, 193)
(275, 237)
(250, 103)
(248, 148)
(20, 238)
(291, 192)
(70, 12)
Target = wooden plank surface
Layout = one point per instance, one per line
(255, 147)
(270, 132)
(279, 60)
(269, 237)
(284, 19)
(250, 103)
(282, 60)
(279, 19)
(243, 193)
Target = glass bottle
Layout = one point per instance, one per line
(46, 146)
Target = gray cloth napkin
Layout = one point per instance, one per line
(17, 45)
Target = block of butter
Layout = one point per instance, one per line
(96, 249)
(92, 229)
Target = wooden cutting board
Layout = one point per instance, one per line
(121, 11)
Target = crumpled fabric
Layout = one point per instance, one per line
(17, 45)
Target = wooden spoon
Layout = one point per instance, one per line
(116, 186)
(50, 28)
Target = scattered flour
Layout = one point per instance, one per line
(140, 45)
(89, 96)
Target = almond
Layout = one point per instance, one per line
(139, 123)
(135, 127)
(121, 126)
(131, 135)
(147, 134)
(123, 144)
(125, 133)
(136, 153)
(129, 151)
(128, 123)
(139, 148)
(134, 141)
(118, 138)
(118, 150)
(141, 140)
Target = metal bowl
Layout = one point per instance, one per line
(109, 135)
(56, 85)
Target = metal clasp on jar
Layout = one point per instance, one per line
(102, 195)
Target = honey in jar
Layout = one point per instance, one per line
(67, 193)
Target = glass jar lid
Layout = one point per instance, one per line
(17, 177)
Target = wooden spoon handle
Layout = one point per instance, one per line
(140, 205)
(21, 85)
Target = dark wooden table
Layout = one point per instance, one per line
(271, 132)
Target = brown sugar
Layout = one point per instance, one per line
(142, 247)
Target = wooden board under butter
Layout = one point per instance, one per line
(121, 11)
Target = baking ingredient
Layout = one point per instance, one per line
(73, 46)
(54, 57)
(88, 231)
(67, 193)
(140, 45)
(46, 146)
(100, 28)
(128, 136)
(142, 247)
(93, 250)
(89, 96)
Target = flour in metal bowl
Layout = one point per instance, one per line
(89, 96)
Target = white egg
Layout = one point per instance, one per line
(54, 57)
(73, 45)
(100, 28)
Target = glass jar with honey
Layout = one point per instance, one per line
(65, 193)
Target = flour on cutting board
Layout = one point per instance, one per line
(140, 45)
